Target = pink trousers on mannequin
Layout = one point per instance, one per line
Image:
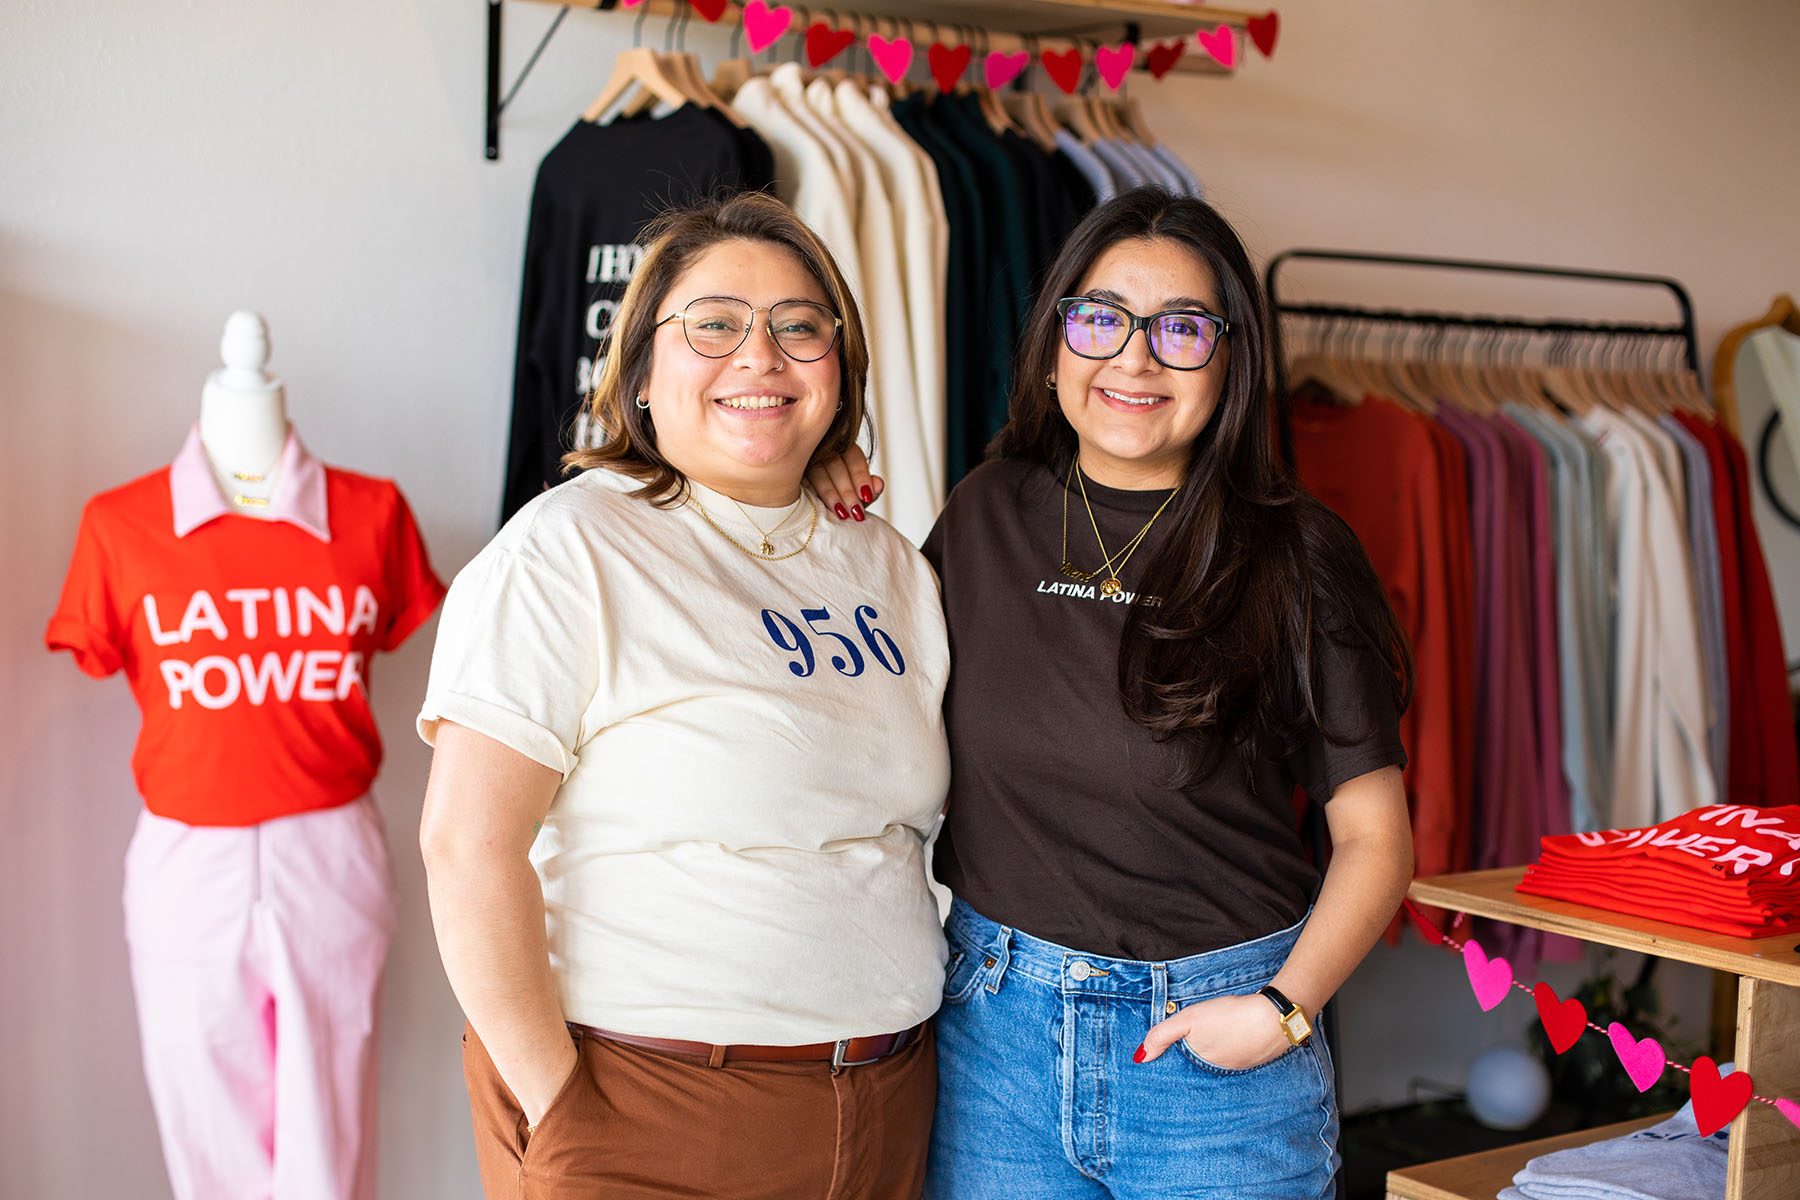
(256, 959)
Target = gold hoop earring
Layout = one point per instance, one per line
(1050, 382)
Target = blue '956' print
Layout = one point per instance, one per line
(846, 656)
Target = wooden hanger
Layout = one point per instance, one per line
(1033, 117)
(1134, 121)
(1782, 314)
(637, 67)
(731, 75)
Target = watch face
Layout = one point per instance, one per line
(1296, 1025)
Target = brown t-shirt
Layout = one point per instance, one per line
(1067, 820)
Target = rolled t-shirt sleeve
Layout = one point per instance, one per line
(1362, 726)
(518, 657)
(87, 622)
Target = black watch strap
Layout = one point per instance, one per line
(1282, 1004)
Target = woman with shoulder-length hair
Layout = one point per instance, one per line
(1156, 636)
(689, 741)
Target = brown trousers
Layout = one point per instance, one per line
(635, 1124)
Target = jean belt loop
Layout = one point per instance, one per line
(1002, 956)
(1159, 991)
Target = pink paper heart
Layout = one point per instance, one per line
(764, 25)
(1002, 69)
(1643, 1060)
(893, 56)
(1789, 1109)
(1221, 44)
(630, 3)
(1113, 62)
(1490, 979)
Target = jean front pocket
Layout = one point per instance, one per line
(1287, 1057)
(963, 974)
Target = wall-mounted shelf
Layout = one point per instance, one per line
(1765, 1148)
(1003, 25)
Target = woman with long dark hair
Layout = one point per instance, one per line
(1156, 636)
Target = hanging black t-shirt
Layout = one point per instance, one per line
(595, 190)
(1069, 821)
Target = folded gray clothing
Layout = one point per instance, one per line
(1669, 1161)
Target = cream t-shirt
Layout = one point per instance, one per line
(752, 754)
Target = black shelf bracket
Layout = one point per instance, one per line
(496, 103)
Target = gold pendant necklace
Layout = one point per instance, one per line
(766, 551)
(768, 546)
(1110, 586)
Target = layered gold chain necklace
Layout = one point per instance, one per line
(1110, 585)
(766, 551)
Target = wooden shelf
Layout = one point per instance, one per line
(1481, 1176)
(1490, 894)
(1765, 1146)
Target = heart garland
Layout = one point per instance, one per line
(763, 26)
(1491, 979)
(1163, 56)
(823, 43)
(1717, 1099)
(1564, 1020)
(1063, 67)
(1113, 62)
(1643, 1059)
(1001, 69)
(1221, 44)
(893, 55)
(712, 10)
(1264, 30)
(948, 64)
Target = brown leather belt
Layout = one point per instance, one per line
(847, 1052)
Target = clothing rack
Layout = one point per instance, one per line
(1102, 21)
(1597, 331)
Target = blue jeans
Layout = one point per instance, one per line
(1038, 1096)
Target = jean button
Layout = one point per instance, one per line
(1079, 970)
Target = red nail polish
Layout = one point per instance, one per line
(856, 511)
(868, 494)
(1137, 1055)
(843, 514)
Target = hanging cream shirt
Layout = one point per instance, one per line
(752, 753)
(912, 499)
(1660, 765)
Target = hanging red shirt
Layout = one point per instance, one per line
(246, 639)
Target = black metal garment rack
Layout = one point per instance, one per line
(1314, 829)
(1683, 329)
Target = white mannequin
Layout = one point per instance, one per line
(243, 413)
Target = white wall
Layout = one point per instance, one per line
(321, 162)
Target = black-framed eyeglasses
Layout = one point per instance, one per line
(715, 326)
(1182, 339)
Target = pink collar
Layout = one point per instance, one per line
(299, 489)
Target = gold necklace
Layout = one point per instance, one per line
(767, 547)
(771, 556)
(1110, 586)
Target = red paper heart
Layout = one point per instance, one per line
(1422, 923)
(1564, 1020)
(763, 26)
(1717, 1100)
(1163, 57)
(1063, 67)
(1002, 69)
(948, 64)
(1221, 44)
(823, 43)
(893, 55)
(712, 10)
(1264, 30)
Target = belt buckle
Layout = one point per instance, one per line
(839, 1062)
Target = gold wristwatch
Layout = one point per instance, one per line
(1293, 1017)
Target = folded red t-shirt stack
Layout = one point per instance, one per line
(1728, 868)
